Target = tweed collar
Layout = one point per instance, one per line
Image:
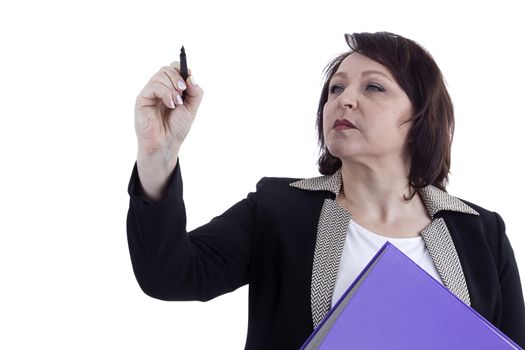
(435, 199)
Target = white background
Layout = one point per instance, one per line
(69, 75)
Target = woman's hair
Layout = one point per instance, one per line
(430, 136)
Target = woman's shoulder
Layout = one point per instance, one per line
(483, 222)
(290, 190)
(482, 211)
(491, 222)
(323, 183)
(440, 201)
(486, 217)
(268, 183)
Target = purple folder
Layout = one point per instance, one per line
(394, 304)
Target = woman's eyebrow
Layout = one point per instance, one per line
(370, 72)
(363, 74)
(340, 74)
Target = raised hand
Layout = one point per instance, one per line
(162, 122)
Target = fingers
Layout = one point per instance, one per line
(174, 83)
(191, 83)
(171, 78)
(154, 92)
(168, 86)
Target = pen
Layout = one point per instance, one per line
(183, 67)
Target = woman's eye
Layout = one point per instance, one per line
(374, 87)
(336, 89)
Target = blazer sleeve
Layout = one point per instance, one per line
(172, 264)
(513, 308)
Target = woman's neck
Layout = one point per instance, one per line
(378, 193)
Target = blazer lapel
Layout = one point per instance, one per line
(445, 258)
(329, 244)
(439, 241)
(331, 235)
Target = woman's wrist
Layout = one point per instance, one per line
(154, 171)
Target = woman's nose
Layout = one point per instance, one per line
(348, 99)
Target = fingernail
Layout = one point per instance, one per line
(179, 99)
(192, 80)
(172, 104)
(181, 85)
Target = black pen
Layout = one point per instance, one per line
(183, 67)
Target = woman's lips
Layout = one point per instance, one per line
(342, 124)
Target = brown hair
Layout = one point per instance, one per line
(430, 136)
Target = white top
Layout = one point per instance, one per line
(360, 247)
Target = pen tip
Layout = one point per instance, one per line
(182, 51)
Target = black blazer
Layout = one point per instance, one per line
(268, 241)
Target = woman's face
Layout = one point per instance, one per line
(365, 116)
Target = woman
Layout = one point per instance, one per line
(385, 124)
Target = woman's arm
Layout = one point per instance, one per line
(171, 264)
(513, 308)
